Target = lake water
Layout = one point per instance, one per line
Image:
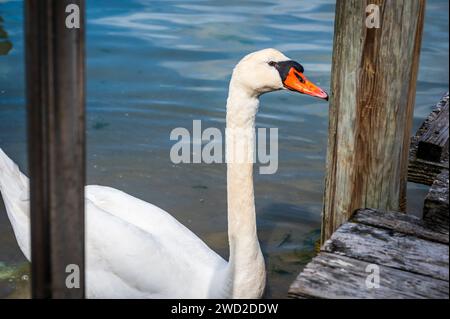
(157, 65)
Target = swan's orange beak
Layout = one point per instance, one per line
(296, 81)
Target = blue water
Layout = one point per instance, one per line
(156, 65)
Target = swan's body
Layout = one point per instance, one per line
(136, 250)
(133, 249)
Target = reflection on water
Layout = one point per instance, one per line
(156, 65)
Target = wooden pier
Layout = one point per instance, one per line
(410, 254)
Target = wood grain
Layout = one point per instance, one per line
(336, 277)
(435, 210)
(390, 248)
(411, 258)
(434, 142)
(399, 222)
(372, 100)
(421, 170)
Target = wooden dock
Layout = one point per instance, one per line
(410, 254)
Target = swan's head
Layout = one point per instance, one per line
(270, 70)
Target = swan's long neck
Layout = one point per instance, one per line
(246, 270)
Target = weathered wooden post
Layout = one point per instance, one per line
(373, 85)
(56, 138)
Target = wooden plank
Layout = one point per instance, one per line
(400, 222)
(333, 276)
(425, 172)
(390, 248)
(434, 142)
(371, 112)
(421, 170)
(56, 135)
(435, 210)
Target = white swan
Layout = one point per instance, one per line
(136, 250)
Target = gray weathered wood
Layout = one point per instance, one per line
(424, 172)
(390, 248)
(421, 170)
(400, 222)
(374, 76)
(434, 142)
(332, 276)
(56, 146)
(435, 210)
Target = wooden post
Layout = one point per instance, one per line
(373, 86)
(56, 138)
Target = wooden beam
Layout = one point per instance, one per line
(55, 61)
(390, 248)
(335, 277)
(403, 223)
(434, 143)
(374, 76)
(435, 209)
(423, 168)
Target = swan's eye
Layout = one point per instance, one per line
(272, 63)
